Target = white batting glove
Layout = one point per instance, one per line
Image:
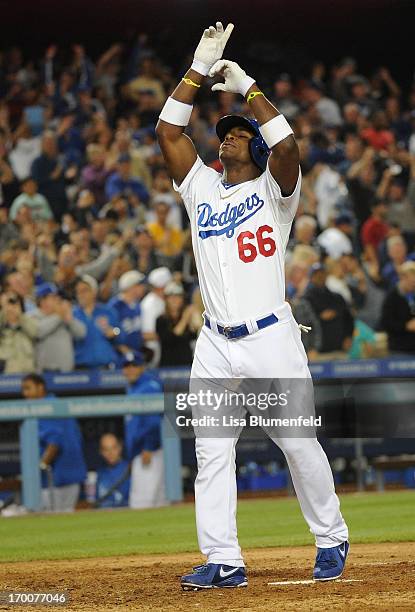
(236, 79)
(211, 46)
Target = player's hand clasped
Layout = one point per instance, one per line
(236, 79)
(211, 47)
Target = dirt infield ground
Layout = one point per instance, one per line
(383, 579)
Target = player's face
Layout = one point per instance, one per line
(235, 146)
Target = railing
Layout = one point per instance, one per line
(95, 380)
(89, 383)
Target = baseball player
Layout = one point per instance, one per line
(240, 223)
(61, 454)
(143, 438)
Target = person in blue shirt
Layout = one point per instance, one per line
(127, 306)
(70, 141)
(113, 480)
(98, 347)
(123, 183)
(61, 454)
(143, 438)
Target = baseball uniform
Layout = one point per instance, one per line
(107, 477)
(68, 469)
(143, 433)
(239, 235)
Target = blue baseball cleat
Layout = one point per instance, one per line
(330, 562)
(213, 576)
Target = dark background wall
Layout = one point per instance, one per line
(376, 32)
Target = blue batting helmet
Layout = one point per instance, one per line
(258, 148)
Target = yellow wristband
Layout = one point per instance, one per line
(253, 95)
(190, 82)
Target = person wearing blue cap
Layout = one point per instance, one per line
(143, 438)
(127, 306)
(57, 329)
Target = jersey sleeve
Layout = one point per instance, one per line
(284, 208)
(51, 433)
(199, 179)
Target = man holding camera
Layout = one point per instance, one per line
(17, 333)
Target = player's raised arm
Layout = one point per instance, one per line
(177, 148)
(275, 130)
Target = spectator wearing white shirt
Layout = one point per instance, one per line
(27, 147)
(336, 280)
(152, 306)
(335, 240)
(329, 190)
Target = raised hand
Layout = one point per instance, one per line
(211, 46)
(236, 79)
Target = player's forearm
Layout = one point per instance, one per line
(184, 93)
(261, 107)
(274, 128)
(50, 454)
(265, 111)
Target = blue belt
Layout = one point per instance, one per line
(240, 331)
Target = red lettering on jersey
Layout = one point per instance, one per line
(247, 251)
(266, 245)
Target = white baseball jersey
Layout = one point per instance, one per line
(239, 235)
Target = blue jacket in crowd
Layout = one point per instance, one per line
(115, 185)
(69, 466)
(95, 350)
(143, 431)
(129, 321)
(106, 478)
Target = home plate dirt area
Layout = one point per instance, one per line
(377, 577)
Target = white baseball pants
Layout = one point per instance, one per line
(60, 499)
(147, 488)
(275, 352)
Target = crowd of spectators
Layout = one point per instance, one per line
(95, 249)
